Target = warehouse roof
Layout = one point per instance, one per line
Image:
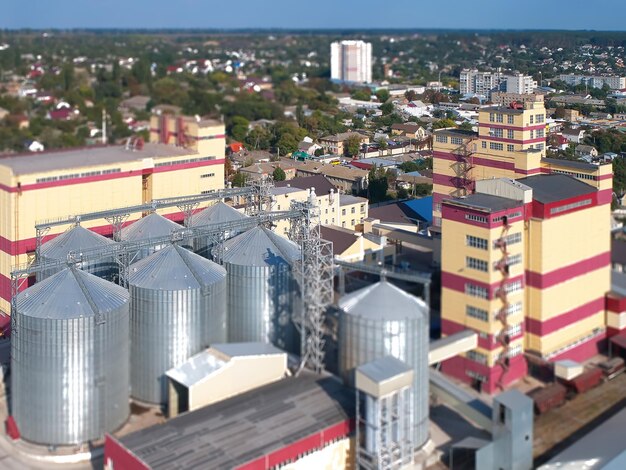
(556, 187)
(571, 163)
(245, 427)
(486, 202)
(41, 162)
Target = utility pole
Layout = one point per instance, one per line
(104, 127)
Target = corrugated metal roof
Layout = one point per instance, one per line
(260, 247)
(150, 226)
(382, 301)
(175, 268)
(76, 239)
(196, 369)
(85, 157)
(247, 349)
(384, 368)
(61, 296)
(245, 427)
(486, 202)
(217, 213)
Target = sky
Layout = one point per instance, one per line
(318, 14)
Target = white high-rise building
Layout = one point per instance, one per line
(351, 61)
(473, 82)
(520, 83)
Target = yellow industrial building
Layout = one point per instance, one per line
(184, 156)
(525, 246)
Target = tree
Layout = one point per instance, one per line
(377, 184)
(352, 145)
(361, 94)
(319, 152)
(466, 126)
(410, 95)
(239, 128)
(387, 108)
(402, 193)
(443, 123)
(279, 174)
(288, 143)
(382, 95)
(239, 179)
(382, 144)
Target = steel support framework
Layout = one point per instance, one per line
(314, 273)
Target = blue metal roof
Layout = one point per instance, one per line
(423, 208)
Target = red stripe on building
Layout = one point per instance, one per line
(450, 211)
(457, 283)
(546, 327)
(537, 140)
(112, 176)
(459, 367)
(449, 327)
(583, 351)
(533, 171)
(552, 278)
(615, 303)
(120, 456)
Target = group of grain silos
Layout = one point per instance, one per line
(81, 344)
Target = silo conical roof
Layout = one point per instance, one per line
(175, 268)
(150, 226)
(217, 213)
(75, 239)
(259, 247)
(71, 293)
(383, 301)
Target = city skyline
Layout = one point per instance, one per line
(141, 14)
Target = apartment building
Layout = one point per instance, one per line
(184, 157)
(351, 61)
(474, 82)
(615, 82)
(525, 253)
(520, 84)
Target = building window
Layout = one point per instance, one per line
(510, 261)
(539, 119)
(540, 133)
(476, 242)
(496, 146)
(515, 330)
(353, 211)
(343, 212)
(477, 357)
(343, 224)
(510, 119)
(477, 313)
(539, 146)
(484, 144)
(362, 208)
(207, 175)
(492, 117)
(477, 264)
(573, 205)
(499, 117)
(456, 140)
(510, 148)
(515, 286)
(438, 207)
(510, 239)
(511, 309)
(496, 132)
(532, 119)
(580, 176)
(441, 139)
(510, 134)
(476, 218)
(352, 222)
(476, 291)
(532, 134)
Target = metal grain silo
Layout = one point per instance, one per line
(177, 308)
(218, 213)
(70, 359)
(382, 320)
(261, 288)
(76, 240)
(151, 226)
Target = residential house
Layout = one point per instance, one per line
(347, 180)
(336, 143)
(260, 170)
(134, 103)
(353, 211)
(585, 150)
(356, 247)
(248, 157)
(416, 108)
(308, 146)
(575, 136)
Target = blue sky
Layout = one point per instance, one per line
(466, 14)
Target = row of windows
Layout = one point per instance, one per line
(511, 261)
(512, 309)
(87, 174)
(580, 176)
(207, 175)
(180, 162)
(476, 242)
(477, 357)
(540, 133)
(573, 205)
(496, 146)
(477, 313)
(476, 218)
(514, 286)
(477, 264)
(456, 140)
(494, 132)
(514, 330)
(476, 291)
(539, 118)
(509, 217)
(441, 138)
(511, 239)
